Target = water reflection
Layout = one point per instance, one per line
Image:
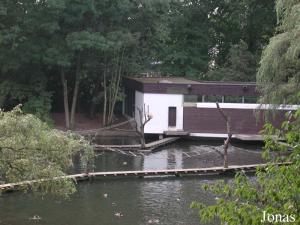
(141, 201)
(158, 160)
(183, 154)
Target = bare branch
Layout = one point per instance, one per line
(227, 119)
(144, 118)
(227, 141)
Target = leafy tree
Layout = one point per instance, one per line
(92, 48)
(275, 189)
(22, 45)
(133, 32)
(149, 23)
(186, 50)
(203, 36)
(80, 37)
(240, 30)
(279, 72)
(36, 99)
(252, 21)
(30, 150)
(240, 65)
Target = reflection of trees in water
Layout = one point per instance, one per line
(187, 156)
(158, 160)
(175, 158)
(206, 156)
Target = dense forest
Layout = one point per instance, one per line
(69, 55)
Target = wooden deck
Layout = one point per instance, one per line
(149, 146)
(145, 173)
(176, 133)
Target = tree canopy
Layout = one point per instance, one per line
(279, 71)
(68, 55)
(31, 150)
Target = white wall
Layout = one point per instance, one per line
(159, 108)
(246, 106)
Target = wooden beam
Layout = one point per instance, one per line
(142, 173)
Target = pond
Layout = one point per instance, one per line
(159, 200)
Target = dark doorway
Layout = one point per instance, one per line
(172, 116)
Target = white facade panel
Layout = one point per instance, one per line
(159, 108)
(245, 106)
(210, 135)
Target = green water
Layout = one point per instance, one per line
(143, 201)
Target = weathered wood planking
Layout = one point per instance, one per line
(144, 173)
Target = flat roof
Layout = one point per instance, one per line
(182, 80)
(182, 85)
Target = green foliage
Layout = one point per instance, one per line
(204, 37)
(39, 106)
(185, 52)
(252, 21)
(275, 190)
(87, 39)
(30, 150)
(34, 98)
(241, 29)
(279, 72)
(240, 65)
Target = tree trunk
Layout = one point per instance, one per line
(105, 97)
(141, 128)
(115, 84)
(142, 138)
(115, 94)
(141, 132)
(75, 95)
(66, 101)
(227, 141)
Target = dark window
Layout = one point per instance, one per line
(233, 99)
(172, 116)
(193, 98)
(213, 98)
(190, 98)
(251, 99)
